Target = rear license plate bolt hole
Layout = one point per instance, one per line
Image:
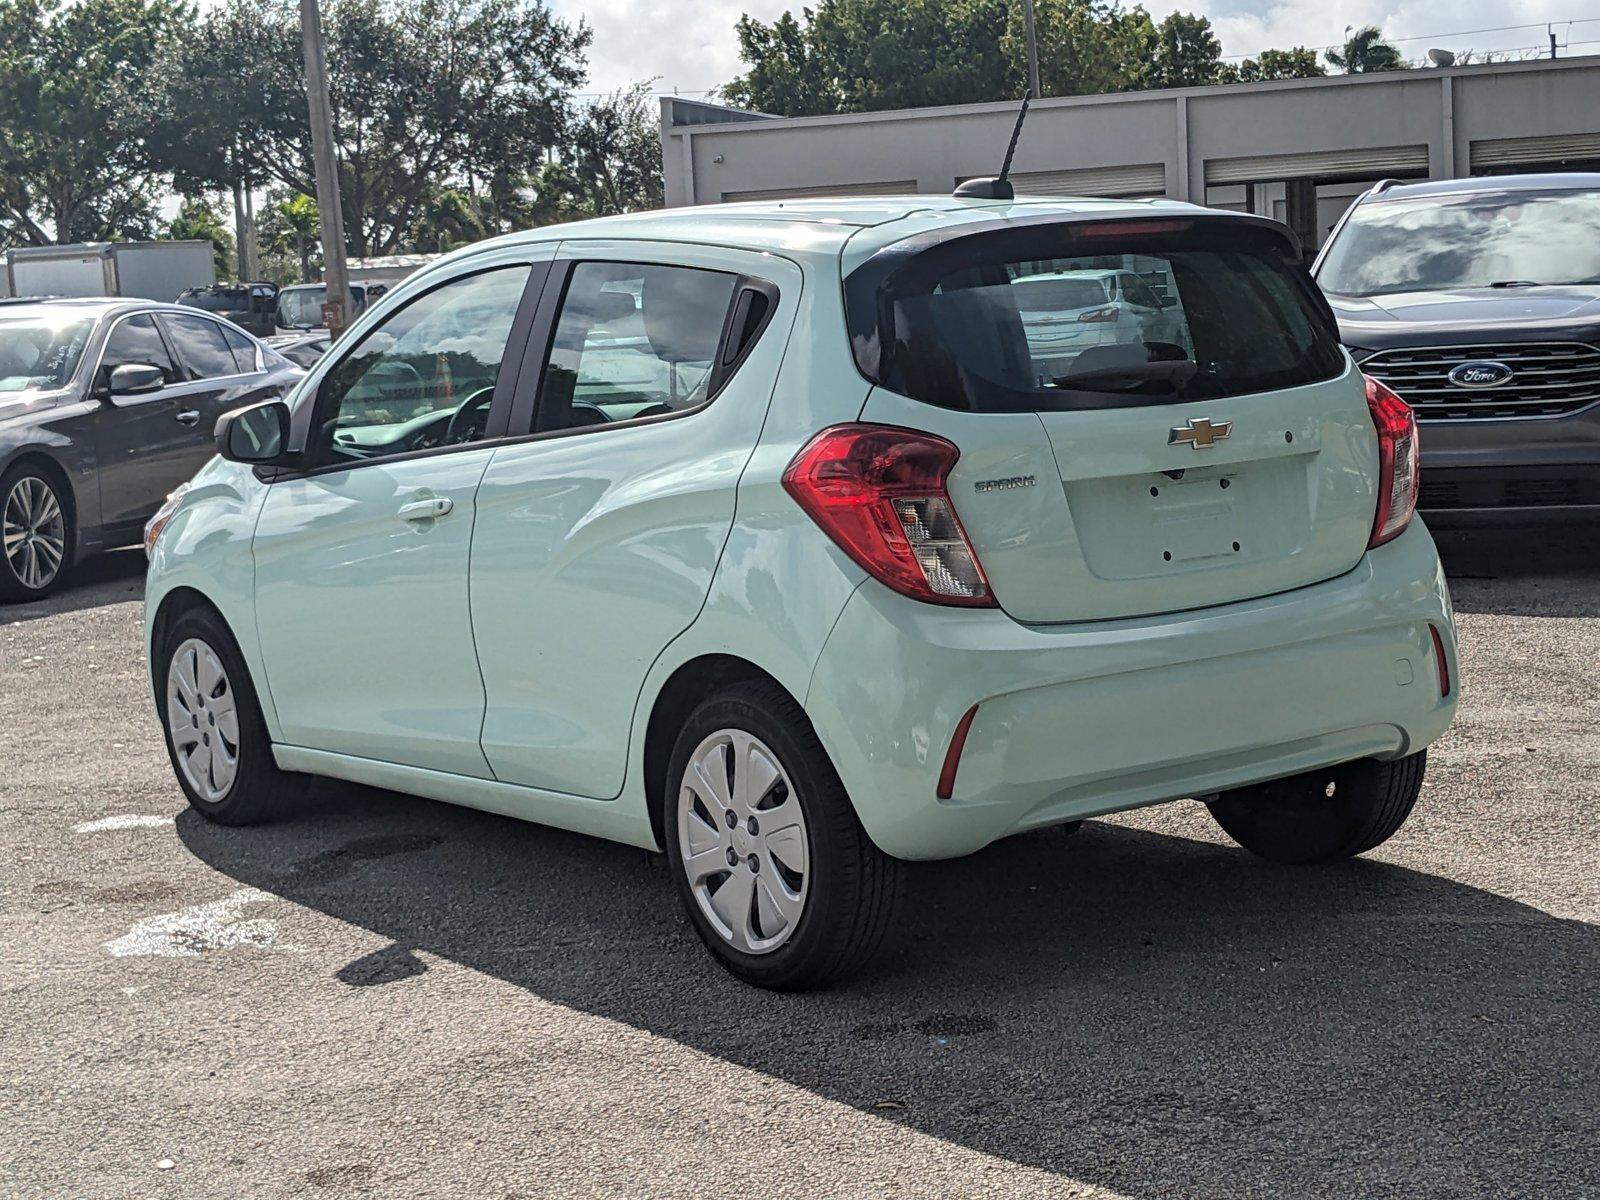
(1224, 482)
(1167, 554)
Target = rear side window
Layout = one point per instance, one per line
(202, 347)
(635, 340)
(1053, 317)
(244, 350)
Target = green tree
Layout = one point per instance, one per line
(617, 150)
(291, 232)
(1185, 53)
(1086, 47)
(1365, 50)
(1298, 63)
(198, 220)
(75, 92)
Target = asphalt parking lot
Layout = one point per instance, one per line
(386, 996)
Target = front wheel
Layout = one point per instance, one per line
(772, 865)
(37, 533)
(1323, 816)
(216, 738)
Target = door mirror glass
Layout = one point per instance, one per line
(136, 379)
(254, 435)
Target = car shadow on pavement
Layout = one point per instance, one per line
(1153, 1014)
(1550, 571)
(113, 578)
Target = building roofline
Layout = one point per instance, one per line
(1366, 79)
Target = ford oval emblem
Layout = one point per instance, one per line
(1483, 374)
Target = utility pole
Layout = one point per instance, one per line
(1033, 49)
(336, 311)
(1551, 30)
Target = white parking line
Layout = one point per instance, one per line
(193, 931)
(125, 821)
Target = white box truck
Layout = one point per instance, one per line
(142, 270)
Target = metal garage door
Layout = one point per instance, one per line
(1139, 179)
(889, 187)
(1514, 152)
(1369, 163)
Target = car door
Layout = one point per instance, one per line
(361, 557)
(222, 372)
(598, 534)
(145, 444)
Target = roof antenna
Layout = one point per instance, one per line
(997, 187)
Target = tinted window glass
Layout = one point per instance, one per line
(244, 350)
(202, 347)
(1021, 320)
(137, 340)
(424, 377)
(1473, 240)
(633, 341)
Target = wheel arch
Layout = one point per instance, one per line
(176, 602)
(46, 462)
(690, 683)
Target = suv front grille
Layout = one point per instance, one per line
(1548, 379)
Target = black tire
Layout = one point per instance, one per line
(259, 790)
(853, 888)
(13, 586)
(1297, 820)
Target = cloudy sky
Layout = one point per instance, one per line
(689, 45)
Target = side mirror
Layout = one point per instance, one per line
(256, 435)
(136, 379)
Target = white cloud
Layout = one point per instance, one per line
(692, 47)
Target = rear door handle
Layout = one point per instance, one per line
(427, 510)
(188, 417)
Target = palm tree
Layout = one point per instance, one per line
(1364, 51)
(298, 228)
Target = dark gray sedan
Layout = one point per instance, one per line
(105, 407)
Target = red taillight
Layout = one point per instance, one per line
(1128, 228)
(1399, 462)
(952, 756)
(1443, 663)
(1110, 313)
(879, 493)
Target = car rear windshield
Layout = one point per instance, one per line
(1471, 240)
(1057, 316)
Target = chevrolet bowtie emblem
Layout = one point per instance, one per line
(1199, 432)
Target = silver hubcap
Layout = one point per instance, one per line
(203, 719)
(743, 840)
(35, 532)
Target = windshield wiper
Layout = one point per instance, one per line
(1515, 283)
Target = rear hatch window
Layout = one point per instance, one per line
(1056, 317)
(1152, 416)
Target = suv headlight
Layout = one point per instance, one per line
(157, 523)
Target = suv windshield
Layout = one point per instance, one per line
(1480, 239)
(40, 351)
(1026, 319)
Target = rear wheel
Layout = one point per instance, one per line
(774, 869)
(216, 738)
(1323, 816)
(37, 534)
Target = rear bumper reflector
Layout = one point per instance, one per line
(1438, 657)
(952, 757)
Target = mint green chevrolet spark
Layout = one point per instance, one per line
(801, 539)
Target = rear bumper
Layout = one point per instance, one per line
(1080, 720)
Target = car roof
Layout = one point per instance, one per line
(1581, 181)
(98, 306)
(820, 225)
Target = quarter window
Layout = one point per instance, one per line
(244, 350)
(634, 341)
(202, 347)
(136, 340)
(425, 376)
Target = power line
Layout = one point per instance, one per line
(1430, 37)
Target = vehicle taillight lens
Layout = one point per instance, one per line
(1399, 462)
(1095, 315)
(879, 492)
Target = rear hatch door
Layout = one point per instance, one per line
(1152, 476)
